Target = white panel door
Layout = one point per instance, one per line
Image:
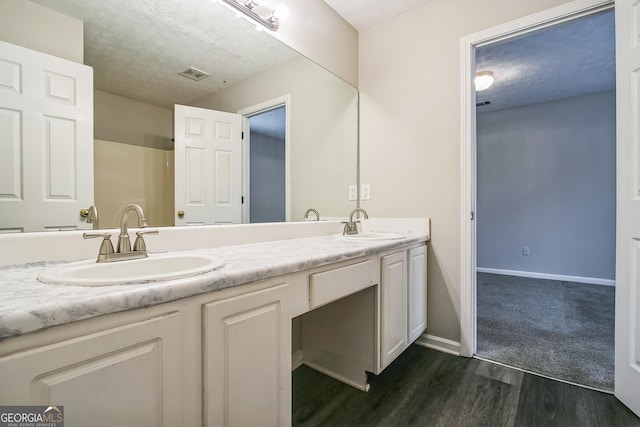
(46, 141)
(208, 166)
(627, 366)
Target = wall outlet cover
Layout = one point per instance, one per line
(365, 192)
(353, 192)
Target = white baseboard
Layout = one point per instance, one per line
(297, 359)
(441, 344)
(530, 274)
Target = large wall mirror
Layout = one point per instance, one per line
(303, 119)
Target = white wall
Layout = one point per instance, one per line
(132, 122)
(323, 138)
(322, 35)
(546, 179)
(35, 27)
(409, 81)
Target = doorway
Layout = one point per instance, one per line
(470, 44)
(545, 211)
(267, 165)
(266, 161)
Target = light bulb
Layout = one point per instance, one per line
(484, 80)
(282, 12)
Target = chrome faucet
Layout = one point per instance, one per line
(92, 217)
(124, 244)
(351, 226)
(306, 214)
(124, 252)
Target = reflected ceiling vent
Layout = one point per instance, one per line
(194, 74)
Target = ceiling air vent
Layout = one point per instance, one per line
(194, 74)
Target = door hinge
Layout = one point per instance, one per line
(472, 216)
(242, 200)
(242, 135)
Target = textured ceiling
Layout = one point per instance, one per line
(362, 14)
(566, 60)
(138, 47)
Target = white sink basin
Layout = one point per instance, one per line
(369, 236)
(155, 268)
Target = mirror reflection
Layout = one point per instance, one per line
(300, 121)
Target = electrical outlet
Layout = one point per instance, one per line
(365, 192)
(526, 251)
(353, 192)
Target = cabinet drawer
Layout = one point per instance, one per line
(334, 284)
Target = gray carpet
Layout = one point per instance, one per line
(564, 330)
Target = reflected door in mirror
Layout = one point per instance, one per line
(46, 141)
(208, 166)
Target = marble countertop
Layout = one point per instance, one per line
(27, 305)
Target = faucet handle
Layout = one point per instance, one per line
(106, 247)
(350, 227)
(139, 244)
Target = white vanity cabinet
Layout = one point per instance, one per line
(129, 375)
(403, 301)
(223, 357)
(247, 358)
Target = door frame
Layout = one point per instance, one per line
(468, 285)
(262, 107)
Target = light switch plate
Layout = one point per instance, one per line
(365, 192)
(353, 192)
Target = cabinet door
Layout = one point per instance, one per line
(417, 292)
(393, 307)
(126, 376)
(247, 360)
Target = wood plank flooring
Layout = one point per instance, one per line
(425, 387)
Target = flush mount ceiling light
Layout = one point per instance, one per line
(261, 14)
(483, 80)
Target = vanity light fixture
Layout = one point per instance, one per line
(484, 80)
(262, 14)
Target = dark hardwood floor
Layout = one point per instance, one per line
(425, 387)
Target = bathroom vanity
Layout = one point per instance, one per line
(215, 349)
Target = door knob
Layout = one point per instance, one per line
(180, 213)
(84, 213)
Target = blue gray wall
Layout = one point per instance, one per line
(546, 180)
(267, 179)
